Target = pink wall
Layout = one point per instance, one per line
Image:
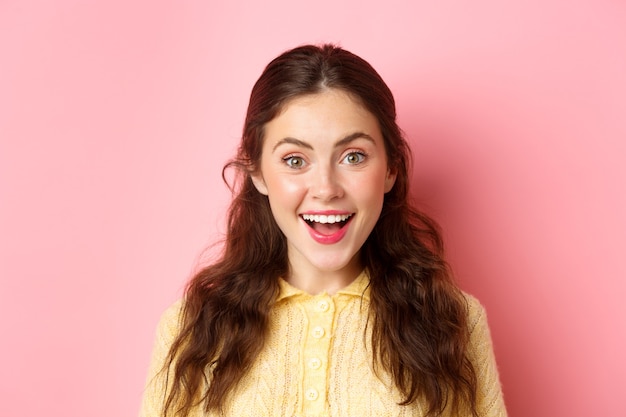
(116, 117)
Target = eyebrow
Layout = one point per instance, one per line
(351, 137)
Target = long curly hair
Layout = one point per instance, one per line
(417, 313)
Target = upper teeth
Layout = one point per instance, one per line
(323, 218)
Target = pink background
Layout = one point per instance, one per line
(117, 116)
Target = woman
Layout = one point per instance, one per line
(331, 297)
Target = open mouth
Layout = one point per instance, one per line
(326, 224)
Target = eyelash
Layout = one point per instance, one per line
(289, 159)
(361, 155)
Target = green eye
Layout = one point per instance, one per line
(294, 161)
(354, 158)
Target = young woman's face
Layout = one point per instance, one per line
(324, 170)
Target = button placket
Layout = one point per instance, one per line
(318, 332)
(311, 394)
(323, 306)
(315, 363)
(320, 313)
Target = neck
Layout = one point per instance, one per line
(318, 281)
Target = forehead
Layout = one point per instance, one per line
(328, 114)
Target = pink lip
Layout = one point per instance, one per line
(327, 212)
(328, 239)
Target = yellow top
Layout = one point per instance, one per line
(317, 362)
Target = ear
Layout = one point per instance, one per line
(259, 183)
(390, 179)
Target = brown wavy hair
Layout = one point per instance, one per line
(418, 315)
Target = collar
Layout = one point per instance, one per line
(357, 288)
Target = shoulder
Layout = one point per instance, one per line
(477, 324)
(480, 343)
(170, 322)
(173, 313)
(481, 355)
(158, 373)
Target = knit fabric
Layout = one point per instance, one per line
(317, 362)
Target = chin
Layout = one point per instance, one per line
(335, 265)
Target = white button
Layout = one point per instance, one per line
(323, 305)
(311, 394)
(318, 332)
(315, 363)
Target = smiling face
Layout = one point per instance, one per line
(324, 170)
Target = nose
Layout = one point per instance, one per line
(326, 185)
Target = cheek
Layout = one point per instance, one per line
(370, 187)
(281, 186)
(285, 193)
